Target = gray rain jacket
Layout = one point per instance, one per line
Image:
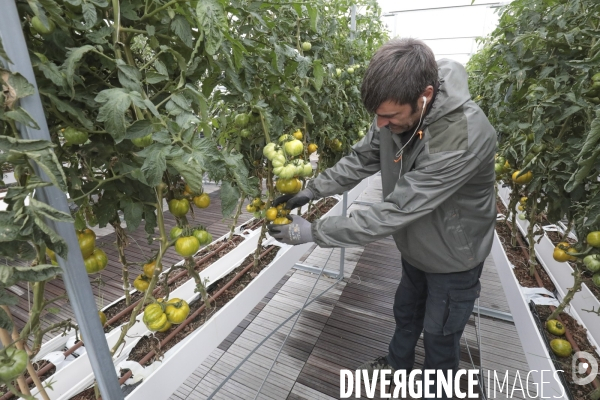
(441, 207)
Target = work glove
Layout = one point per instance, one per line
(295, 200)
(296, 232)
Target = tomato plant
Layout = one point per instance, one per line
(537, 80)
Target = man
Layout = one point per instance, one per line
(435, 149)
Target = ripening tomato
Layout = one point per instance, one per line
(250, 208)
(149, 268)
(141, 283)
(102, 317)
(177, 310)
(187, 246)
(271, 214)
(202, 201)
(281, 221)
(312, 148)
(179, 207)
(293, 148)
(524, 179)
(87, 242)
(154, 317)
(298, 134)
(561, 251)
(593, 238)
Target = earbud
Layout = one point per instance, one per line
(424, 102)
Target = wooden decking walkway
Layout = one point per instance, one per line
(350, 323)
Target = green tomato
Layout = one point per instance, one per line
(269, 151)
(596, 279)
(241, 120)
(592, 262)
(307, 170)
(350, 70)
(338, 71)
(175, 232)
(245, 133)
(39, 27)
(201, 235)
(278, 160)
(13, 363)
(143, 141)
(73, 136)
(306, 46)
(179, 207)
(498, 168)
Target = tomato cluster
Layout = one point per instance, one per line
(289, 161)
(278, 215)
(95, 259)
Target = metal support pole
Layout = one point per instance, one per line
(74, 275)
(343, 250)
(352, 26)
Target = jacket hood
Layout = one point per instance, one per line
(453, 91)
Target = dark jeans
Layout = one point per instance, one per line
(439, 303)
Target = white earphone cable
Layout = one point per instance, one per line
(399, 152)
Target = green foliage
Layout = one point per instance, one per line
(533, 78)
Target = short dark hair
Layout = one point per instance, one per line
(399, 71)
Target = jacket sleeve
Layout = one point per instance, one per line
(417, 193)
(351, 169)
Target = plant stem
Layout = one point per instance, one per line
(569, 296)
(30, 368)
(514, 198)
(237, 215)
(164, 245)
(121, 244)
(566, 233)
(6, 342)
(530, 234)
(34, 318)
(100, 183)
(116, 26)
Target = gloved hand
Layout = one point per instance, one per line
(295, 200)
(296, 232)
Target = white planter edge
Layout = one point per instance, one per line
(532, 341)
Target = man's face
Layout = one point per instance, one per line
(397, 117)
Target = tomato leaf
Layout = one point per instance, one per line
(3, 53)
(68, 107)
(22, 116)
(74, 55)
(230, 196)
(155, 164)
(211, 19)
(132, 212)
(182, 29)
(39, 273)
(44, 210)
(5, 321)
(139, 129)
(318, 72)
(8, 230)
(17, 251)
(89, 14)
(112, 112)
(20, 85)
(129, 77)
